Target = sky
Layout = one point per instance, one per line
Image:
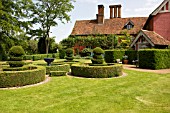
(87, 10)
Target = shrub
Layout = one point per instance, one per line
(16, 55)
(98, 51)
(112, 55)
(86, 52)
(19, 68)
(36, 57)
(154, 58)
(27, 57)
(97, 57)
(56, 67)
(69, 54)
(16, 63)
(57, 73)
(62, 54)
(16, 51)
(96, 71)
(132, 55)
(21, 78)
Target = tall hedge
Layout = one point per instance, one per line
(132, 55)
(112, 55)
(154, 58)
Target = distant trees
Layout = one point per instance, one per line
(46, 14)
(18, 17)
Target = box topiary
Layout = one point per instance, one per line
(16, 56)
(69, 54)
(30, 75)
(96, 71)
(97, 57)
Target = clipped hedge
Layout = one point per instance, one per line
(96, 71)
(21, 78)
(112, 55)
(58, 73)
(56, 67)
(40, 56)
(132, 55)
(154, 58)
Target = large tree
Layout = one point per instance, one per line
(47, 13)
(12, 21)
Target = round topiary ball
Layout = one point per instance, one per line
(16, 55)
(98, 51)
(69, 51)
(16, 51)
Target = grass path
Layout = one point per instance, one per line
(138, 92)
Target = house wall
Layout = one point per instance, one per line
(161, 24)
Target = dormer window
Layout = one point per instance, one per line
(129, 25)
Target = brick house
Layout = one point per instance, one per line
(156, 31)
(114, 25)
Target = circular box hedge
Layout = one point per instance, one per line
(96, 71)
(34, 74)
(56, 67)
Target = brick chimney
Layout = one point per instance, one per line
(100, 15)
(117, 11)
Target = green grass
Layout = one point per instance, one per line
(138, 92)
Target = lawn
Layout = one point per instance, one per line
(138, 92)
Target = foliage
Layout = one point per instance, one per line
(69, 54)
(46, 14)
(112, 55)
(62, 53)
(86, 52)
(56, 67)
(16, 51)
(57, 73)
(16, 55)
(97, 57)
(21, 78)
(96, 71)
(154, 58)
(132, 55)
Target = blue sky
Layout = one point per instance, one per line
(87, 9)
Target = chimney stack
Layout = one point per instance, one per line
(100, 15)
(117, 11)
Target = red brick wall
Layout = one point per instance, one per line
(161, 24)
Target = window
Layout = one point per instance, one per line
(128, 27)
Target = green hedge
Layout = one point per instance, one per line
(40, 56)
(21, 78)
(154, 58)
(19, 68)
(58, 73)
(56, 67)
(132, 55)
(96, 71)
(112, 55)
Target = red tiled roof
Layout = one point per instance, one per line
(156, 38)
(110, 26)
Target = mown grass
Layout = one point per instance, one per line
(138, 92)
